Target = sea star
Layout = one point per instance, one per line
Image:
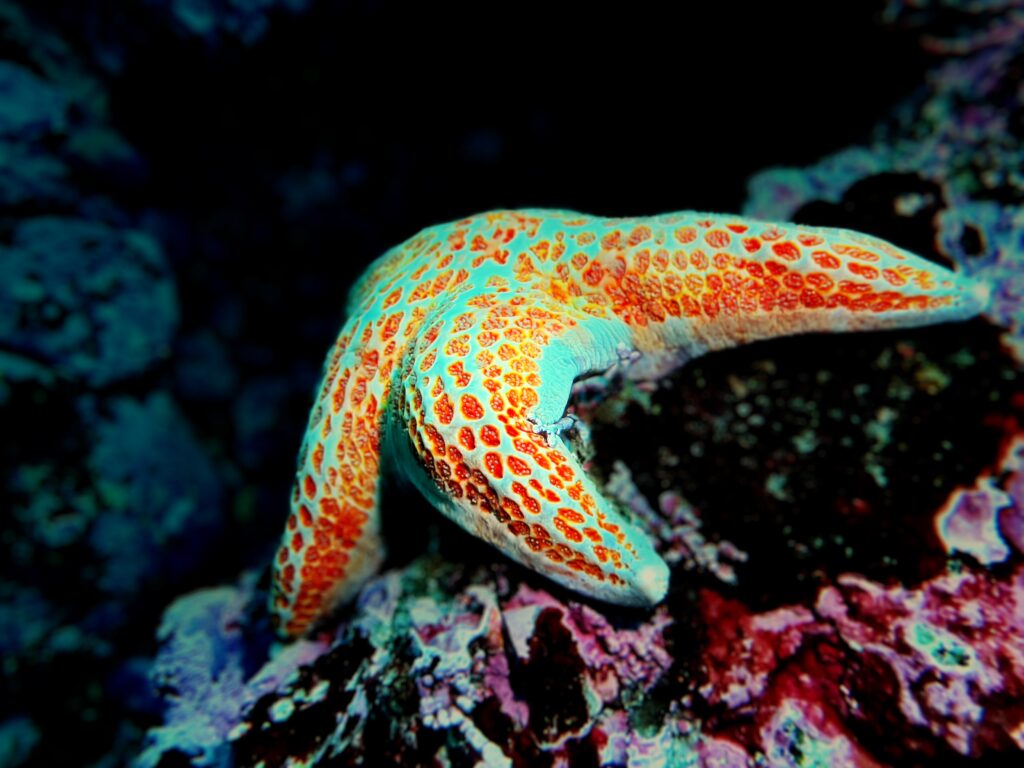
(462, 344)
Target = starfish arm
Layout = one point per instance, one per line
(689, 283)
(483, 394)
(332, 543)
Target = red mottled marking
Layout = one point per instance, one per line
(787, 251)
(391, 325)
(457, 346)
(848, 286)
(639, 235)
(685, 235)
(893, 277)
(825, 260)
(428, 361)
(794, 281)
(457, 240)
(811, 300)
(540, 250)
(435, 438)
(466, 439)
(863, 270)
(528, 397)
(420, 292)
(855, 252)
(493, 463)
(820, 281)
(571, 515)
(568, 531)
(309, 487)
(717, 238)
(458, 372)
(471, 407)
(612, 240)
(592, 276)
(443, 409)
(518, 466)
(512, 508)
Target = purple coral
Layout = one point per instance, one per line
(202, 676)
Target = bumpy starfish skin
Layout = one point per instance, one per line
(462, 345)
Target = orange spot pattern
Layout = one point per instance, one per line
(460, 320)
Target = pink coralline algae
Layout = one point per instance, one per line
(612, 657)
(201, 673)
(514, 675)
(985, 521)
(461, 671)
(953, 647)
(938, 669)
